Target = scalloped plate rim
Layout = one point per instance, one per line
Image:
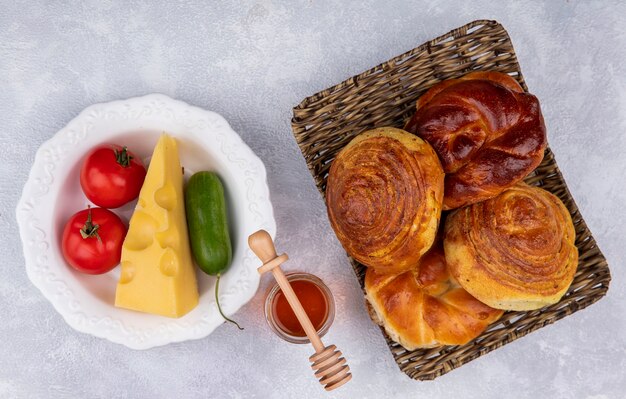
(30, 257)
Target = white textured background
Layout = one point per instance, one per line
(252, 63)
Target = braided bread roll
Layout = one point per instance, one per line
(515, 251)
(488, 134)
(425, 307)
(383, 195)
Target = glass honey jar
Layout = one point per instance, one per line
(316, 299)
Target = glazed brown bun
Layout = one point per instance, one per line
(383, 196)
(515, 251)
(488, 134)
(424, 307)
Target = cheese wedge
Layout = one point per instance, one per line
(158, 274)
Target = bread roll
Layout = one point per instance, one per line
(515, 251)
(424, 307)
(488, 134)
(383, 195)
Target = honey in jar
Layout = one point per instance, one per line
(316, 300)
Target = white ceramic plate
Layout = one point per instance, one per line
(52, 194)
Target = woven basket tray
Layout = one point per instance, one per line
(385, 96)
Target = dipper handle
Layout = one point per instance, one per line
(328, 364)
(262, 245)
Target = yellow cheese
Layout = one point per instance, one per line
(158, 274)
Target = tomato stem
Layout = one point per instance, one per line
(217, 287)
(89, 229)
(123, 157)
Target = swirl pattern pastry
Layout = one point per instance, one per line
(515, 251)
(383, 195)
(424, 307)
(488, 134)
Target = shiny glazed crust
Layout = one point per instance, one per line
(488, 134)
(384, 195)
(424, 307)
(515, 251)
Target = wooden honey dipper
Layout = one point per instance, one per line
(328, 364)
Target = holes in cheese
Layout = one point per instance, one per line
(144, 226)
(128, 272)
(169, 263)
(165, 197)
(169, 238)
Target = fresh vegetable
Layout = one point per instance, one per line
(207, 222)
(111, 176)
(92, 240)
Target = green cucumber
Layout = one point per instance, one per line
(207, 221)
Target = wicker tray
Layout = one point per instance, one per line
(385, 96)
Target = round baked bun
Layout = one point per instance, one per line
(489, 134)
(515, 251)
(383, 194)
(424, 307)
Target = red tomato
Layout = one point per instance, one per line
(111, 176)
(92, 240)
